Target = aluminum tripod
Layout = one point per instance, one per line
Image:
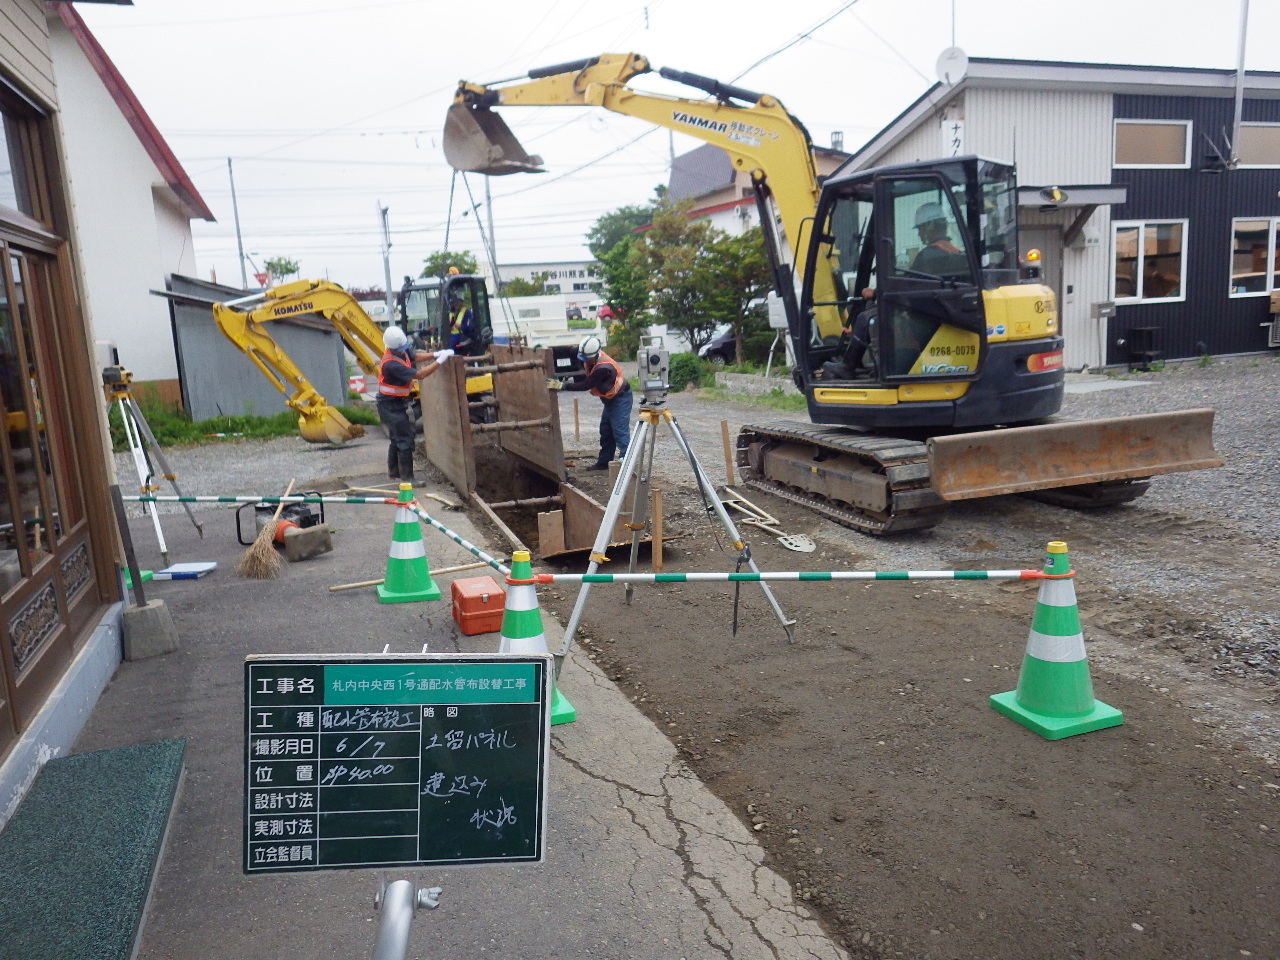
(643, 442)
(143, 446)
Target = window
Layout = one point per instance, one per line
(1153, 143)
(1259, 145)
(13, 174)
(1254, 269)
(1150, 260)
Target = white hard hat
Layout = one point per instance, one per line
(589, 347)
(393, 338)
(928, 212)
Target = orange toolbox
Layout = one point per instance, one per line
(478, 603)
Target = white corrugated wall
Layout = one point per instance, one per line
(1056, 138)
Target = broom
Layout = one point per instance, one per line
(260, 561)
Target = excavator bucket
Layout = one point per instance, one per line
(1069, 453)
(327, 425)
(478, 140)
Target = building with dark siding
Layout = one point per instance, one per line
(1157, 244)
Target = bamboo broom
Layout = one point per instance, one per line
(260, 561)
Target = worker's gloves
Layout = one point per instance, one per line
(443, 355)
(554, 384)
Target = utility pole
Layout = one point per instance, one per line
(1235, 130)
(235, 212)
(493, 241)
(386, 262)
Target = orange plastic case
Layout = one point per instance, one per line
(478, 603)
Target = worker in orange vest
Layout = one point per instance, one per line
(606, 380)
(396, 375)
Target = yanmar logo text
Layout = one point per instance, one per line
(703, 122)
(305, 307)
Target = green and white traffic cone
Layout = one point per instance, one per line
(1055, 695)
(522, 627)
(408, 579)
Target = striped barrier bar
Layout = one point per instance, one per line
(467, 545)
(804, 576)
(248, 498)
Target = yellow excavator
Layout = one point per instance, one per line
(243, 322)
(928, 351)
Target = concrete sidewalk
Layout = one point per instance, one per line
(642, 861)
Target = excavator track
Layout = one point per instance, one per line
(876, 485)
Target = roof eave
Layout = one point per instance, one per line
(141, 124)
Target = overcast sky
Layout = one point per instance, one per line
(328, 108)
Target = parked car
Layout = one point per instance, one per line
(722, 350)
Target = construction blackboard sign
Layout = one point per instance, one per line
(391, 760)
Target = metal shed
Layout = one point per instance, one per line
(218, 380)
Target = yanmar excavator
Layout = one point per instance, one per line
(243, 323)
(928, 351)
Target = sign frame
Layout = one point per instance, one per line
(389, 761)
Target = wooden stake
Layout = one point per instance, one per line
(655, 519)
(577, 430)
(728, 451)
(374, 583)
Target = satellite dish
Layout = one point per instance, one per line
(952, 64)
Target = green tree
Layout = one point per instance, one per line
(281, 267)
(438, 263)
(616, 225)
(737, 273)
(535, 286)
(673, 254)
(626, 291)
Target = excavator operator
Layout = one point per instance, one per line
(461, 326)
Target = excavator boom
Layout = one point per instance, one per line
(243, 323)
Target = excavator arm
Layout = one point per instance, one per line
(758, 133)
(243, 323)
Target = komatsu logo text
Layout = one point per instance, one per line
(305, 307)
(702, 122)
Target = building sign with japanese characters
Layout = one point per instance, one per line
(395, 761)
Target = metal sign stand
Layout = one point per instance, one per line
(653, 377)
(143, 446)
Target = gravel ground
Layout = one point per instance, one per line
(1181, 581)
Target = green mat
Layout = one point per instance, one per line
(79, 854)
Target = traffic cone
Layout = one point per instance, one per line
(522, 627)
(1055, 695)
(408, 578)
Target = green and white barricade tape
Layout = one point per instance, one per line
(249, 498)
(461, 541)
(802, 576)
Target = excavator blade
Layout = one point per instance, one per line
(477, 139)
(327, 425)
(990, 463)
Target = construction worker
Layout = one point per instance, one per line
(604, 379)
(396, 374)
(461, 325)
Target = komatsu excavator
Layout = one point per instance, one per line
(243, 323)
(929, 353)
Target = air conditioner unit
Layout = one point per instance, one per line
(1273, 334)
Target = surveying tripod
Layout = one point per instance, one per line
(653, 361)
(143, 446)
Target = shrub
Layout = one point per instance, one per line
(686, 368)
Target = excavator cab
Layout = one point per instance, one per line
(924, 267)
(436, 309)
